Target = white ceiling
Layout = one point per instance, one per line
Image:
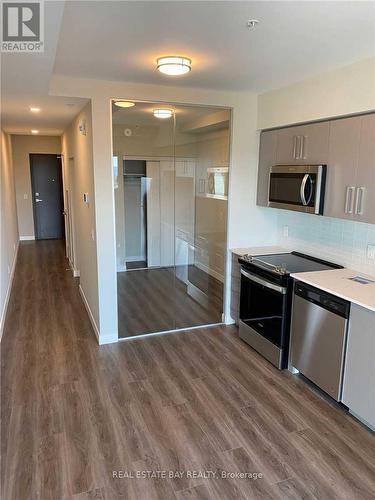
(294, 40)
(25, 82)
(121, 40)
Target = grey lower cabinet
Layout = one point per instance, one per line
(304, 144)
(359, 374)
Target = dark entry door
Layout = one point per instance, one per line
(47, 190)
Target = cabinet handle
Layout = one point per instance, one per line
(294, 146)
(298, 147)
(349, 200)
(359, 200)
(301, 140)
(304, 147)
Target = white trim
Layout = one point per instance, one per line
(210, 271)
(27, 238)
(102, 339)
(92, 320)
(7, 296)
(166, 332)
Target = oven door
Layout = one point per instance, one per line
(262, 307)
(296, 188)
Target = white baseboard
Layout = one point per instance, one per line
(27, 238)
(93, 322)
(6, 302)
(102, 339)
(135, 258)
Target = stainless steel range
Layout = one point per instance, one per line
(266, 299)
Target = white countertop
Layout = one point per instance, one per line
(336, 281)
(259, 250)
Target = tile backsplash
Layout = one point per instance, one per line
(340, 241)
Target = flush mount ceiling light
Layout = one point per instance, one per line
(163, 113)
(35, 131)
(124, 104)
(34, 110)
(173, 65)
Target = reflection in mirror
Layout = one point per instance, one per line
(171, 188)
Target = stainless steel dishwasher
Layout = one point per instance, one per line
(318, 337)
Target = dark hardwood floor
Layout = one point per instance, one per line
(75, 414)
(155, 300)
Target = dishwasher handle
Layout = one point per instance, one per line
(323, 299)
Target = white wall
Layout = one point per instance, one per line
(22, 146)
(344, 91)
(247, 224)
(79, 177)
(347, 90)
(8, 225)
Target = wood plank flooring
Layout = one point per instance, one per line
(74, 414)
(155, 300)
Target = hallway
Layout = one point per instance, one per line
(73, 413)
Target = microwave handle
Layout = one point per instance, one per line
(305, 179)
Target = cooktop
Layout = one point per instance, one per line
(286, 263)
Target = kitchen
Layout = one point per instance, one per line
(300, 311)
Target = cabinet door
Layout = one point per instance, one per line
(315, 138)
(288, 146)
(267, 158)
(365, 195)
(359, 376)
(305, 144)
(342, 167)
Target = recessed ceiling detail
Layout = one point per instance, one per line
(174, 65)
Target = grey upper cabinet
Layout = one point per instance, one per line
(303, 144)
(359, 375)
(345, 145)
(267, 158)
(342, 167)
(364, 209)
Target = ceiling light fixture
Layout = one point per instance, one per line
(35, 131)
(34, 110)
(173, 65)
(163, 113)
(124, 104)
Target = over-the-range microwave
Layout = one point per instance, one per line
(297, 187)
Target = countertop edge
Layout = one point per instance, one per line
(351, 299)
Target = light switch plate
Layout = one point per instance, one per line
(371, 252)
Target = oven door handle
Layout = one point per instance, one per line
(260, 281)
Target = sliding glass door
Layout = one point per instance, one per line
(171, 214)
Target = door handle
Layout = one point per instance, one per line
(349, 200)
(37, 200)
(359, 200)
